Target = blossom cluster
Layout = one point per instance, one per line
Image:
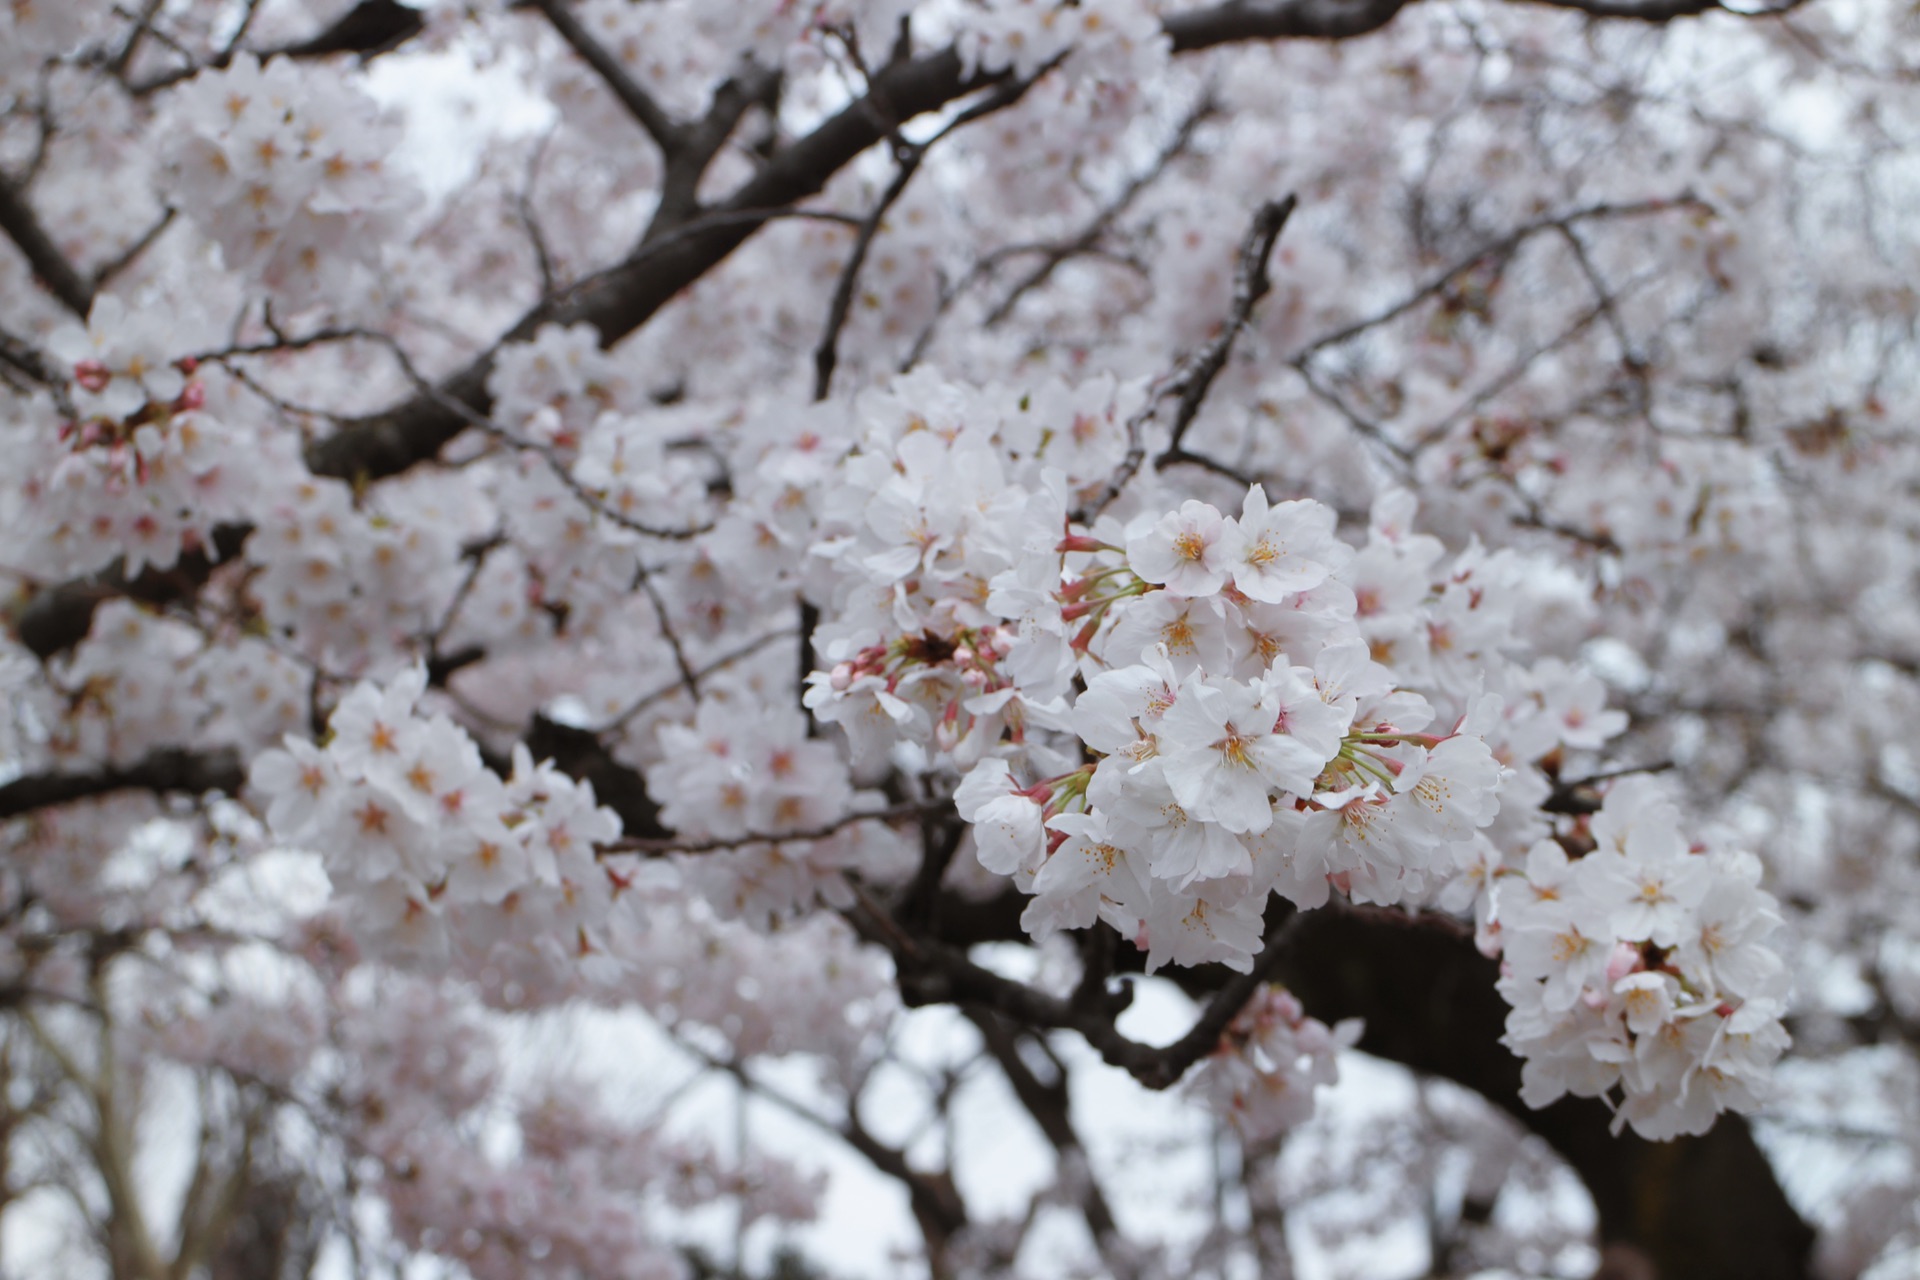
(283, 164)
(443, 859)
(738, 774)
(1246, 742)
(130, 463)
(348, 579)
(1270, 1059)
(1642, 965)
(1161, 721)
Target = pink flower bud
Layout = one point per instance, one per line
(842, 677)
(1625, 959)
(92, 375)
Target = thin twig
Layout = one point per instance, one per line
(1187, 386)
(907, 157)
(1098, 227)
(827, 354)
(126, 257)
(670, 136)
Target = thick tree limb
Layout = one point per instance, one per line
(1239, 21)
(59, 618)
(1705, 1208)
(163, 771)
(370, 28)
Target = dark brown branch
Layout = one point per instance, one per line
(367, 30)
(1250, 284)
(1705, 1208)
(1206, 462)
(117, 66)
(162, 771)
(673, 254)
(50, 266)
(1242, 20)
(933, 1197)
(1050, 1105)
(1699, 1208)
(668, 134)
(1498, 252)
(129, 255)
(907, 157)
(58, 618)
(370, 28)
(1098, 226)
(22, 357)
(679, 185)
(934, 972)
(677, 251)
(1579, 795)
(827, 354)
(1188, 385)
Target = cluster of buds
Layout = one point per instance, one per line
(947, 691)
(1262, 1075)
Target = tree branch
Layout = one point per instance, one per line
(934, 972)
(162, 771)
(826, 355)
(1190, 382)
(907, 156)
(667, 133)
(50, 266)
(1097, 227)
(1050, 1105)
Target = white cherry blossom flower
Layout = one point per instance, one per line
(1277, 551)
(1186, 551)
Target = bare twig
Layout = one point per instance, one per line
(1102, 222)
(907, 157)
(1188, 384)
(827, 354)
(670, 136)
(127, 256)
